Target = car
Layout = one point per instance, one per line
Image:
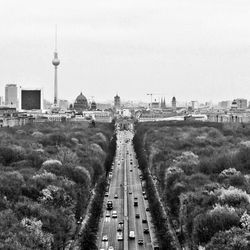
(144, 220)
(114, 214)
(146, 230)
(121, 222)
(140, 242)
(131, 234)
(119, 236)
(130, 192)
(135, 198)
(145, 197)
(105, 238)
(111, 248)
(131, 170)
(147, 209)
(108, 214)
(106, 194)
(120, 227)
(137, 216)
(116, 196)
(143, 192)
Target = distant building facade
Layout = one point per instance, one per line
(1, 100)
(81, 103)
(63, 104)
(11, 95)
(225, 104)
(241, 103)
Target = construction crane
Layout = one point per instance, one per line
(151, 95)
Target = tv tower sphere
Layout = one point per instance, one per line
(55, 60)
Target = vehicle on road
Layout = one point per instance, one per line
(144, 220)
(145, 197)
(146, 230)
(116, 196)
(147, 209)
(140, 242)
(108, 214)
(137, 216)
(119, 236)
(109, 205)
(106, 194)
(131, 170)
(105, 238)
(143, 192)
(135, 203)
(111, 248)
(130, 192)
(114, 214)
(131, 234)
(120, 227)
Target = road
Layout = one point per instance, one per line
(125, 187)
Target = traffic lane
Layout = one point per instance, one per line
(132, 227)
(141, 210)
(110, 224)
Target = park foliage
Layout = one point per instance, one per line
(202, 173)
(47, 174)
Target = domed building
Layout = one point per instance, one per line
(81, 103)
(93, 105)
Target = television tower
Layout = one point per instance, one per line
(55, 62)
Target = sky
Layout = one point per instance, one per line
(190, 49)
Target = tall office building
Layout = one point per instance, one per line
(11, 95)
(31, 99)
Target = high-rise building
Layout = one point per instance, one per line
(11, 98)
(31, 99)
(117, 101)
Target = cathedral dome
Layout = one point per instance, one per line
(81, 99)
(81, 103)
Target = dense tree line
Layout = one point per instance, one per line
(47, 172)
(202, 174)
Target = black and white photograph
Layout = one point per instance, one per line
(125, 125)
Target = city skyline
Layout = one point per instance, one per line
(195, 51)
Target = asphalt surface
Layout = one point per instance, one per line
(125, 183)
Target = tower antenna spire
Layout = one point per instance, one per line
(56, 38)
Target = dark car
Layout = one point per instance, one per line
(146, 230)
(116, 196)
(140, 242)
(137, 216)
(147, 209)
(145, 197)
(144, 221)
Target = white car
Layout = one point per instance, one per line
(119, 236)
(114, 214)
(131, 234)
(105, 238)
(111, 248)
(108, 214)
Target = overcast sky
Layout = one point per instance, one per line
(193, 49)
